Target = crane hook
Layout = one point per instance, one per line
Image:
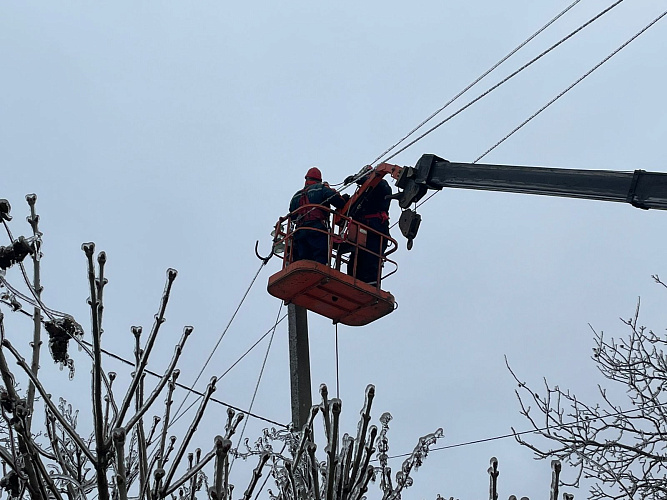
(263, 259)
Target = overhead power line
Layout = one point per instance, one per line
(269, 331)
(579, 80)
(561, 94)
(506, 79)
(191, 389)
(515, 434)
(259, 379)
(478, 79)
(222, 335)
(179, 385)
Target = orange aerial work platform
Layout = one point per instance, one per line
(323, 288)
(330, 293)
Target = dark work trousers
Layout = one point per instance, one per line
(311, 245)
(368, 264)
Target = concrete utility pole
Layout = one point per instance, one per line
(299, 365)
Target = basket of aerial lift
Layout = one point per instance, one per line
(322, 287)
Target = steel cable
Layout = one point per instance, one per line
(630, 40)
(222, 335)
(561, 94)
(259, 379)
(478, 79)
(188, 388)
(337, 366)
(270, 330)
(522, 433)
(507, 78)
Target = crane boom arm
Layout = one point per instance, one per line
(639, 188)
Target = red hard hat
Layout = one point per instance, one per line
(314, 174)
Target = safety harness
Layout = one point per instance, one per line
(310, 214)
(383, 216)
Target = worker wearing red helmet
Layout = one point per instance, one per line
(311, 238)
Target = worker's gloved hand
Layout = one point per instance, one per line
(349, 179)
(346, 197)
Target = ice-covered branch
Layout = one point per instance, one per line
(159, 319)
(47, 400)
(163, 381)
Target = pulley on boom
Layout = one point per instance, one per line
(326, 290)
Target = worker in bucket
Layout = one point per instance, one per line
(311, 234)
(372, 210)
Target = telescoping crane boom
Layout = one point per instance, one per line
(641, 189)
(326, 290)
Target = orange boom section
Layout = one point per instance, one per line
(323, 288)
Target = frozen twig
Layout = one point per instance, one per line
(190, 432)
(493, 479)
(47, 400)
(118, 437)
(555, 474)
(191, 473)
(101, 442)
(55, 446)
(159, 319)
(336, 406)
(363, 428)
(161, 454)
(36, 343)
(222, 447)
(163, 381)
(256, 474)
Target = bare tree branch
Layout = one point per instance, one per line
(159, 319)
(623, 449)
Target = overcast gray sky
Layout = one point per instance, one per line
(173, 134)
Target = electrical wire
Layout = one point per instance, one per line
(189, 389)
(270, 330)
(179, 415)
(222, 335)
(259, 379)
(506, 79)
(478, 79)
(337, 366)
(37, 301)
(28, 299)
(579, 80)
(179, 385)
(561, 94)
(522, 433)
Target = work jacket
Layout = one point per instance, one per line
(314, 194)
(373, 207)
